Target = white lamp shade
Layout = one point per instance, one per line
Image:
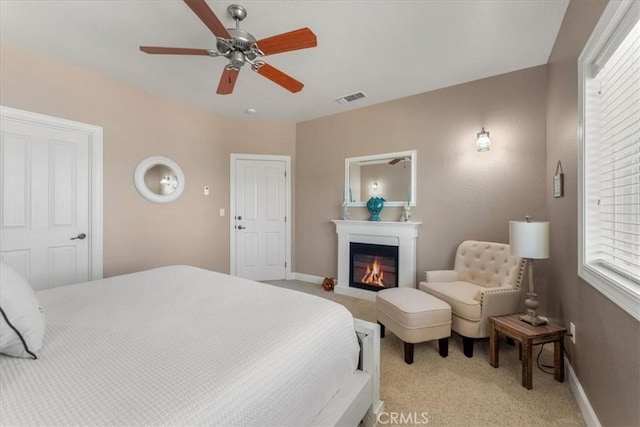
(529, 239)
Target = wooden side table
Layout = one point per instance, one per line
(527, 336)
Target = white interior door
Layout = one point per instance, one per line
(45, 202)
(259, 222)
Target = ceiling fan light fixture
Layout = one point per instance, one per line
(237, 59)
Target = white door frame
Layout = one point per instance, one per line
(94, 134)
(232, 213)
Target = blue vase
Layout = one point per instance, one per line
(374, 206)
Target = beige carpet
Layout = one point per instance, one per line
(457, 391)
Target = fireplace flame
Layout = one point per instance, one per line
(373, 274)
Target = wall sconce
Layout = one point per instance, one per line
(483, 142)
(374, 186)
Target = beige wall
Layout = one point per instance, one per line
(394, 181)
(140, 234)
(461, 194)
(607, 351)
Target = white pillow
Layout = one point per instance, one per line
(21, 317)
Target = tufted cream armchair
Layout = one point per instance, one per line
(485, 281)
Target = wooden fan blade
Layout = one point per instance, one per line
(280, 78)
(293, 40)
(394, 161)
(227, 81)
(157, 50)
(206, 15)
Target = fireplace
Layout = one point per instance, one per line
(400, 234)
(373, 267)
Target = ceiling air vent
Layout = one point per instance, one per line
(350, 98)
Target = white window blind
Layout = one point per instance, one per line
(617, 155)
(609, 156)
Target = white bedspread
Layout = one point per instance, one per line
(180, 345)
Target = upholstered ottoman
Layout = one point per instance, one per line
(414, 317)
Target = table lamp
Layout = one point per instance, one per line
(530, 240)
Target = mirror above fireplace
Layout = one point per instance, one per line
(391, 176)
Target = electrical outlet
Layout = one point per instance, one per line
(572, 331)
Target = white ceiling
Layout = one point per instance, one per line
(386, 49)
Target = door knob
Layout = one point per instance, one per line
(80, 236)
(241, 227)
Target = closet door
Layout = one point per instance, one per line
(44, 202)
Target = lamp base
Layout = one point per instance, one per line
(533, 320)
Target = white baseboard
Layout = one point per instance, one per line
(308, 278)
(589, 415)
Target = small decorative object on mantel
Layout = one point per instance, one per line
(406, 215)
(558, 181)
(374, 206)
(345, 210)
(328, 283)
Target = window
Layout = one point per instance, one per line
(609, 167)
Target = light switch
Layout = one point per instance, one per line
(221, 211)
(206, 190)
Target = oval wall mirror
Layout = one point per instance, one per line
(158, 179)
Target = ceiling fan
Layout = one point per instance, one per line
(241, 47)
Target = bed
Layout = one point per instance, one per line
(181, 345)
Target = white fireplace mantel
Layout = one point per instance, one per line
(401, 234)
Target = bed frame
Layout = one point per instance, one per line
(359, 401)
